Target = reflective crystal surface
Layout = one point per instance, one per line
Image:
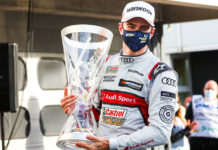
(86, 49)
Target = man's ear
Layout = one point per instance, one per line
(152, 31)
(120, 26)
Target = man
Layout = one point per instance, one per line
(141, 87)
(204, 110)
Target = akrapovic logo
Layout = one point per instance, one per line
(139, 9)
(118, 113)
(130, 84)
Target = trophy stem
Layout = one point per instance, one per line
(81, 124)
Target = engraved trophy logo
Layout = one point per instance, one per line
(86, 48)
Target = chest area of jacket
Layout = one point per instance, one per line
(126, 78)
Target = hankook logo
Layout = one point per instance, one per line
(127, 60)
(168, 81)
(139, 9)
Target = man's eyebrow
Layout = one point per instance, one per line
(129, 23)
(146, 26)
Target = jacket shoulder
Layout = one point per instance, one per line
(157, 69)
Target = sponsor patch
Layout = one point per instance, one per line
(111, 112)
(157, 69)
(130, 84)
(109, 78)
(168, 94)
(113, 121)
(168, 99)
(112, 69)
(135, 71)
(168, 81)
(114, 116)
(167, 114)
(127, 60)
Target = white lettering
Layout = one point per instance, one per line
(121, 98)
(111, 97)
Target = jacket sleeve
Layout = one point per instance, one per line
(162, 101)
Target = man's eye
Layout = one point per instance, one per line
(144, 28)
(131, 27)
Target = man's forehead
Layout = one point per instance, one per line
(211, 84)
(138, 20)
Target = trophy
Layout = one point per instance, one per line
(86, 48)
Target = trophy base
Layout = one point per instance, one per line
(67, 140)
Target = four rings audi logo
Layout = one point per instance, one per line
(168, 81)
(127, 60)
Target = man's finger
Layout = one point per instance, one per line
(69, 105)
(93, 138)
(65, 91)
(67, 99)
(83, 145)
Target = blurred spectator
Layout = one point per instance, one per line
(187, 101)
(181, 129)
(205, 111)
(183, 110)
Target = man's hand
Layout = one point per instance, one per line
(68, 102)
(192, 125)
(98, 143)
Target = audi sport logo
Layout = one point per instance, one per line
(168, 81)
(127, 60)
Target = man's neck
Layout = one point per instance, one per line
(127, 51)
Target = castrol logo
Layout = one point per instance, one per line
(110, 112)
